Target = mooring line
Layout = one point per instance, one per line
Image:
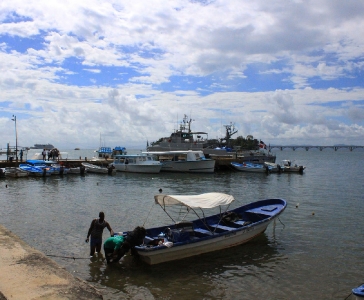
(68, 257)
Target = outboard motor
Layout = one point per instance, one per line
(82, 170)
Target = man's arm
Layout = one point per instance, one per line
(110, 229)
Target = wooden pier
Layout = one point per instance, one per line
(221, 162)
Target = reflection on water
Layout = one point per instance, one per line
(314, 251)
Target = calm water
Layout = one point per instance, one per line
(315, 251)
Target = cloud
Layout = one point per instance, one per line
(279, 70)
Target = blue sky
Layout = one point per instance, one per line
(285, 72)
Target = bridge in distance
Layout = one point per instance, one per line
(349, 147)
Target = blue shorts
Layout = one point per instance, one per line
(95, 241)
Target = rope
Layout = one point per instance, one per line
(148, 215)
(281, 222)
(69, 257)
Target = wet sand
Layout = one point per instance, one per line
(26, 273)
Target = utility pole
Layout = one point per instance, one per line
(16, 138)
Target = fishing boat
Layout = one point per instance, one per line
(91, 168)
(187, 161)
(250, 167)
(216, 232)
(289, 167)
(15, 172)
(136, 163)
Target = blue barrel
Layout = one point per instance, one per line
(359, 292)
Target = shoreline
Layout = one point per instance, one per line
(26, 273)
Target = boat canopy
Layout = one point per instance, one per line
(207, 200)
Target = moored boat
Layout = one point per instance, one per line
(289, 167)
(15, 172)
(188, 161)
(250, 167)
(91, 168)
(136, 163)
(273, 167)
(206, 233)
(35, 170)
(186, 139)
(77, 170)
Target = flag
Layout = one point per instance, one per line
(262, 145)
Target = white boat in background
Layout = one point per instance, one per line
(288, 167)
(250, 167)
(186, 161)
(205, 234)
(274, 168)
(77, 170)
(136, 163)
(91, 168)
(103, 153)
(15, 172)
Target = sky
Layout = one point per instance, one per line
(123, 73)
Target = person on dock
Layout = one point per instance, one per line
(95, 231)
(44, 153)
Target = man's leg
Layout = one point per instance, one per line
(98, 247)
(108, 254)
(93, 244)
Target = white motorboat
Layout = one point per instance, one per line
(136, 163)
(187, 161)
(289, 167)
(77, 170)
(207, 233)
(91, 168)
(273, 167)
(15, 172)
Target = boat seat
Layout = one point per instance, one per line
(203, 231)
(222, 227)
(241, 222)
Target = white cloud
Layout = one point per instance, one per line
(181, 57)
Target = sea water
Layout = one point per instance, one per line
(314, 250)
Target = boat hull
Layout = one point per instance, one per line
(228, 240)
(15, 172)
(130, 168)
(99, 170)
(250, 168)
(202, 166)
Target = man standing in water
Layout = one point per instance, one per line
(96, 228)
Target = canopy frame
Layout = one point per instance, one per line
(179, 200)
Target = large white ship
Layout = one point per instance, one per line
(43, 146)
